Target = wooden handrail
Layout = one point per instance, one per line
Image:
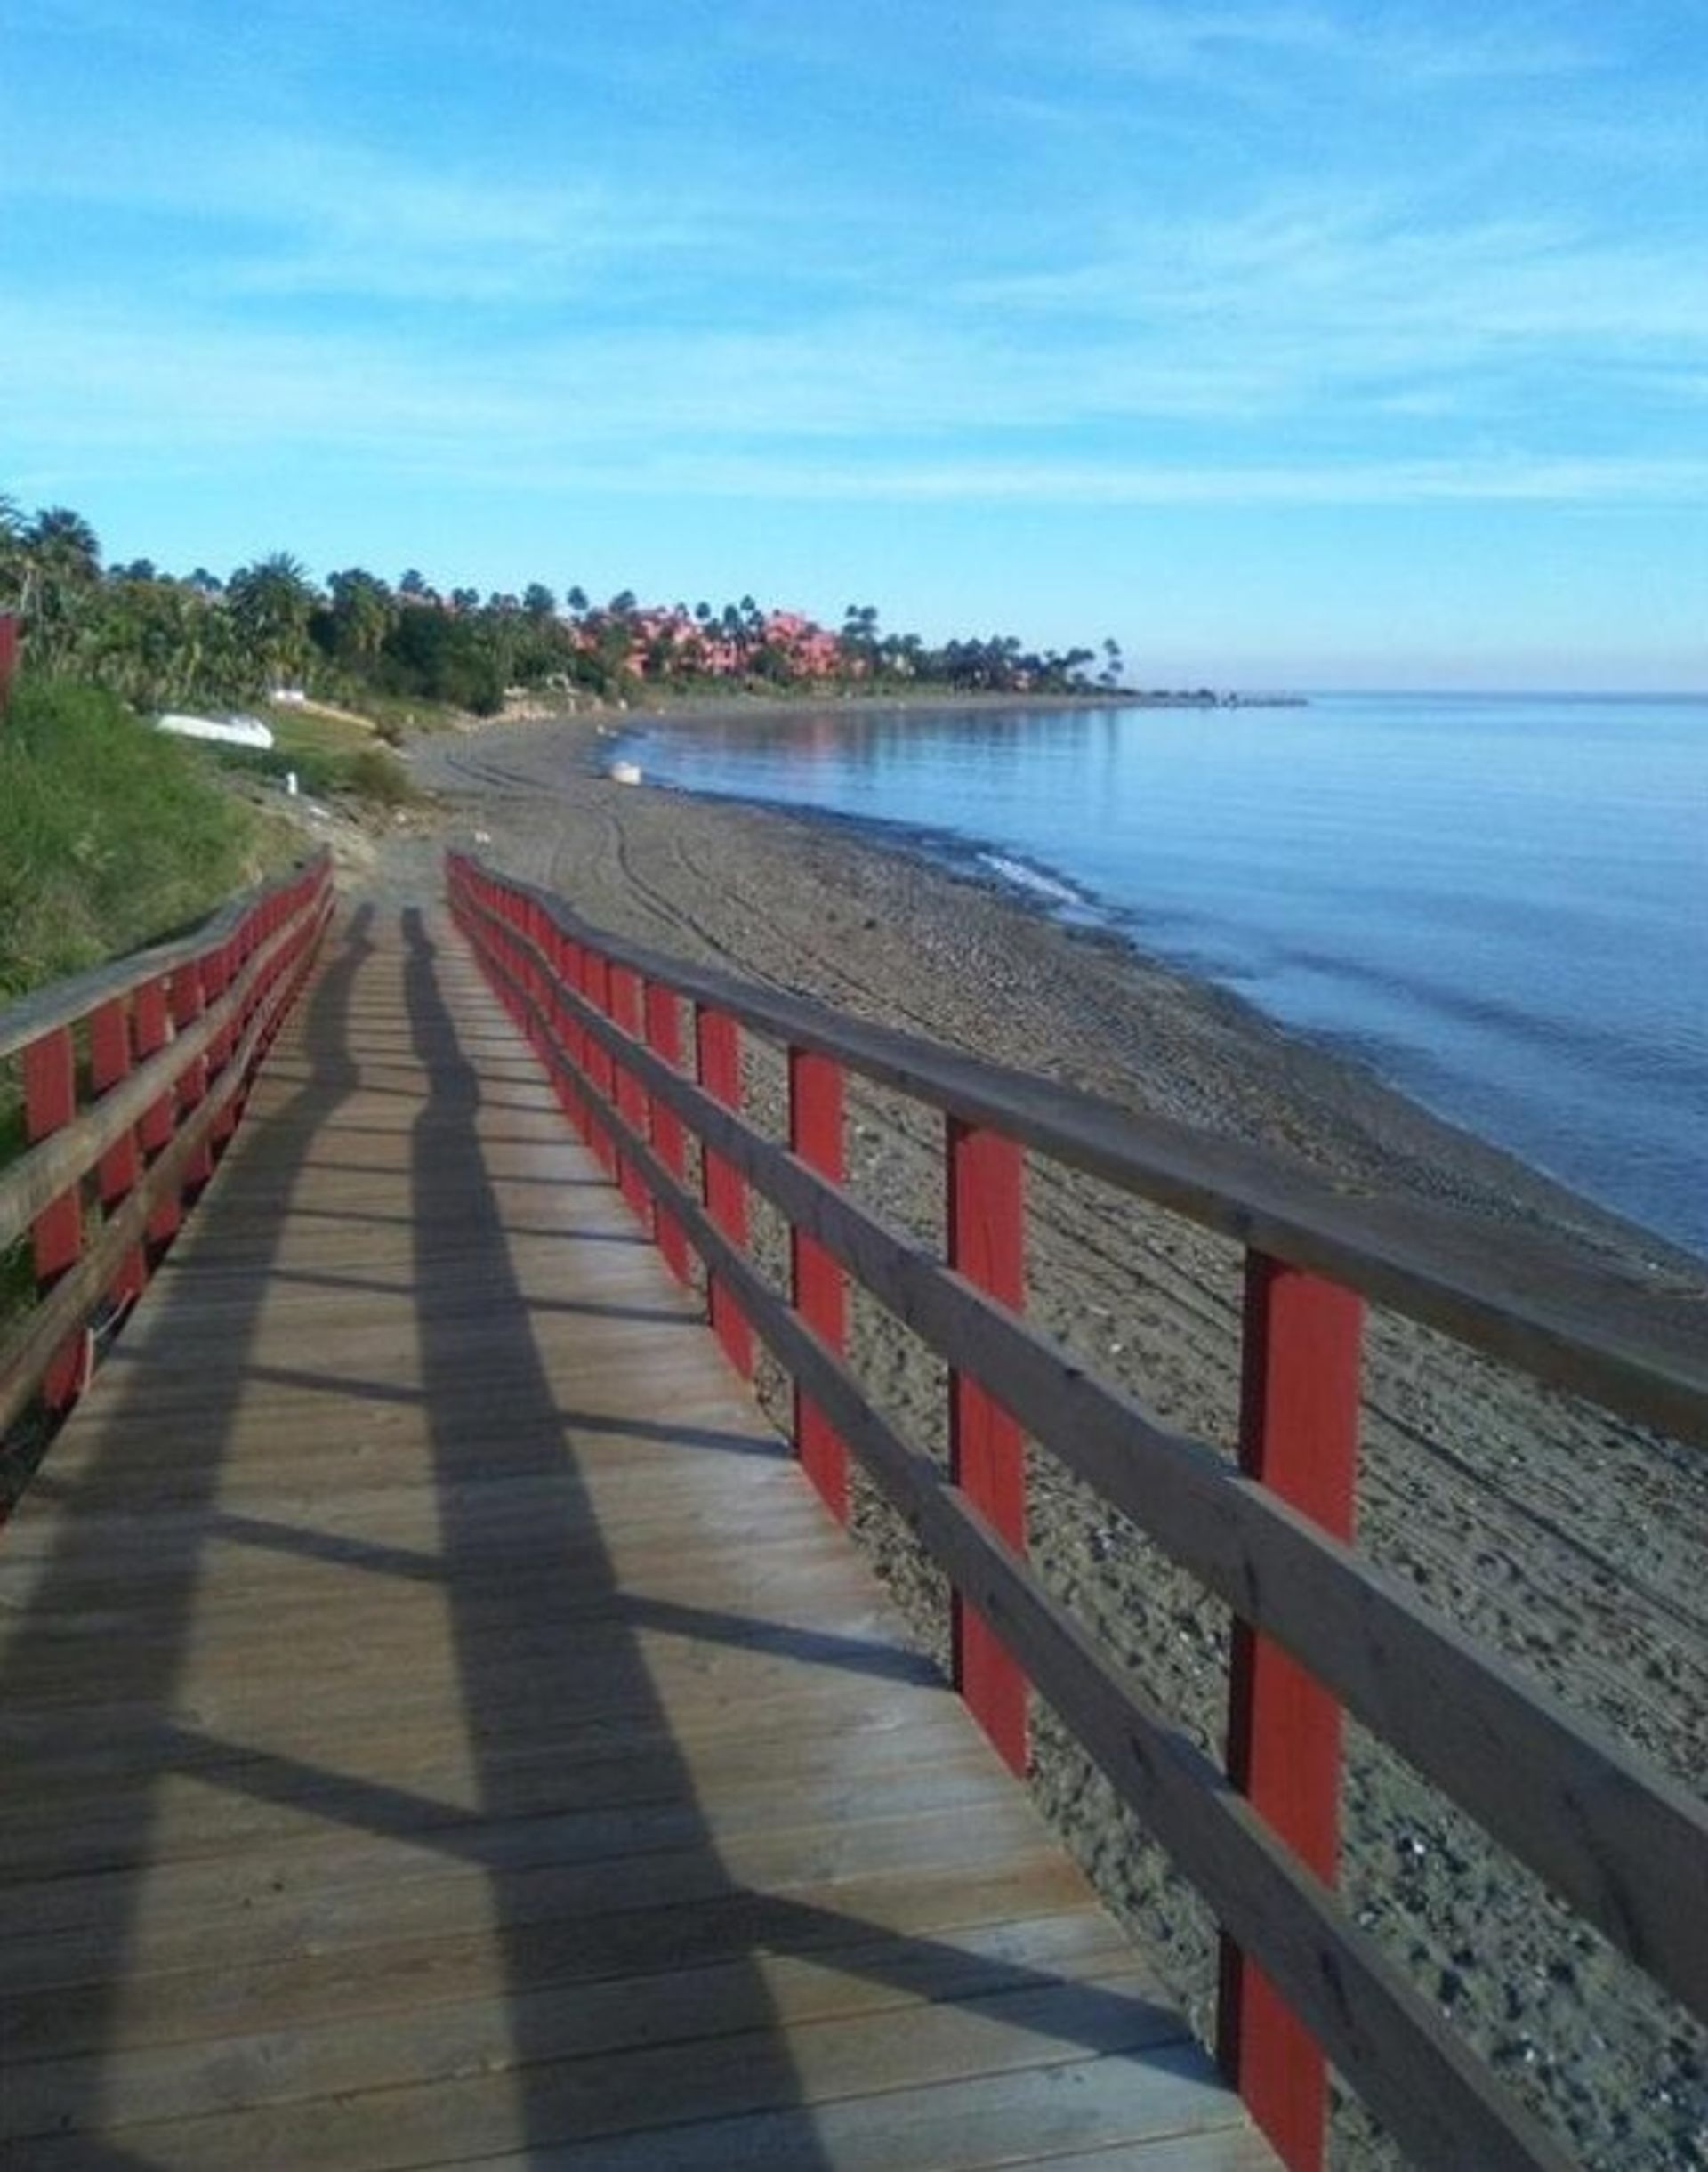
(43, 1171)
(1625, 1844)
(174, 1035)
(1636, 1347)
(70, 1001)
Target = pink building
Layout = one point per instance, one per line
(662, 643)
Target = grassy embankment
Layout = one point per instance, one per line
(111, 836)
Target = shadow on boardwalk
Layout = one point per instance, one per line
(440, 1726)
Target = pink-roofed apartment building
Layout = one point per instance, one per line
(672, 639)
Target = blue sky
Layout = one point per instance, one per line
(1290, 342)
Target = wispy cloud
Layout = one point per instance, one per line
(720, 418)
(1612, 482)
(1234, 257)
(1392, 47)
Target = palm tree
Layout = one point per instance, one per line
(271, 603)
(363, 613)
(64, 540)
(13, 550)
(59, 566)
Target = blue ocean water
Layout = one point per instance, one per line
(1501, 902)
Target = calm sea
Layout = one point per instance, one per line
(1501, 903)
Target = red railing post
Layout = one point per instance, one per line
(717, 1050)
(151, 1025)
(665, 1038)
(572, 967)
(119, 1167)
(1299, 1435)
(216, 978)
(50, 1084)
(624, 989)
(986, 1244)
(820, 1294)
(561, 1064)
(596, 987)
(192, 1086)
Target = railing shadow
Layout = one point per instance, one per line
(492, 1425)
(616, 1915)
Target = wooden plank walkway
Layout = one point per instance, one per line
(440, 1727)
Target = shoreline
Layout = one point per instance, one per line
(1406, 1142)
(1558, 1536)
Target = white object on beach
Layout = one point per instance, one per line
(230, 731)
(624, 772)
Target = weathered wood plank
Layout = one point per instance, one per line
(474, 2030)
(716, 2076)
(1173, 2124)
(438, 1716)
(241, 1993)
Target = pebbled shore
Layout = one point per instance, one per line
(1573, 1544)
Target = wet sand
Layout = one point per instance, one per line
(1572, 1543)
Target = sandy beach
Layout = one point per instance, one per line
(1573, 1544)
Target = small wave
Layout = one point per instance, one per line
(1034, 879)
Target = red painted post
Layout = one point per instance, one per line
(1299, 1435)
(151, 1027)
(717, 1051)
(665, 1038)
(118, 1168)
(573, 970)
(624, 985)
(216, 978)
(986, 1244)
(539, 983)
(820, 1296)
(192, 1085)
(565, 1083)
(50, 1082)
(596, 987)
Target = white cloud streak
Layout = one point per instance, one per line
(1205, 45)
(1307, 342)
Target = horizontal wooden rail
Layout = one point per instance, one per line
(1636, 1348)
(173, 1037)
(42, 1172)
(72, 1001)
(1623, 1843)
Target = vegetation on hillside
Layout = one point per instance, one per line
(110, 836)
(160, 640)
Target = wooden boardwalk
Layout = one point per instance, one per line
(440, 1727)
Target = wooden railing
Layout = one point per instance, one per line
(133, 1080)
(1319, 1629)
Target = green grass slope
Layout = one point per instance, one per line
(111, 835)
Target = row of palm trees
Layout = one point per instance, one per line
(161, 641)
